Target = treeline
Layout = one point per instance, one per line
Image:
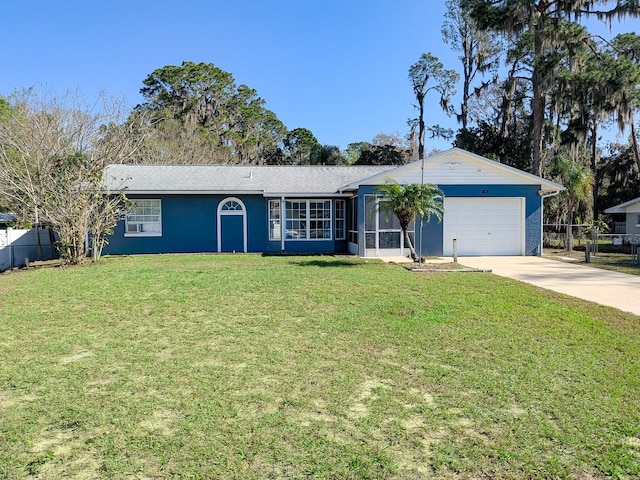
(538, 90)
(196, 114)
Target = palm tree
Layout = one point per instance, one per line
(578, 181)
(428, 67)
(408, 202)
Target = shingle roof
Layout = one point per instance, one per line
(7, 217)
(622, 208)
(267, 180)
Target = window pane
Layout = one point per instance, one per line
(144, 217)
(318, 213)
(274, 230)
(274, 209)
(340, 233)
(274, 219)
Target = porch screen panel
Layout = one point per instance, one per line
(370, 227)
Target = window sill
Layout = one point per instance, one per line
(143, 234)
(309, 239)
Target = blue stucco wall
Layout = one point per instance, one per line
(189, 224)
(432, 232)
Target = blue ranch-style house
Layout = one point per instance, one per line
(490, 208)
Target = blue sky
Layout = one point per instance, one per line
(336, 67)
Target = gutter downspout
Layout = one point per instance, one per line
(544, 195)
(282, 221)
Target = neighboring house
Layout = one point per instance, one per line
(6, 219)
(631, 212)
(490, 208)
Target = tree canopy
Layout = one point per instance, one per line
(200, 106)
(53, 152)
(544, 34)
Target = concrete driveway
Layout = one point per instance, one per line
(613, 289)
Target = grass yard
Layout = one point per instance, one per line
(249, 367)
(617, 262)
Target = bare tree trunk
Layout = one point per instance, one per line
(634, 142)
(421, 128)
(594, 167)
(538, 104)
(407, 241)
(38, 242)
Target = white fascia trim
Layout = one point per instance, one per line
(622, 208)
(548, 193)
(304, 195)
(193, 192)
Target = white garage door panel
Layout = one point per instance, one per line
(484, 226)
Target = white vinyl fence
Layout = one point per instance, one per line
(17, 247)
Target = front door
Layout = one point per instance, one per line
(232, 226)
(232, 233)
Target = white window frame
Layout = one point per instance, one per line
(274, 214)
(352, 218)
(137, 223)
(302, 221)
(341, 221)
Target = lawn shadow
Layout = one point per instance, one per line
(325, 263)
(319, 259)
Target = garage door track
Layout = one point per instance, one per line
(618, 290)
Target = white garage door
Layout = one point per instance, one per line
(484, 226)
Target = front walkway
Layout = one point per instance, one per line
(618, 290)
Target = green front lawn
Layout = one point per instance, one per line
(214, 366)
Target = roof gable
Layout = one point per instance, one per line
(459, 167)
(632, 206)
(7, 217)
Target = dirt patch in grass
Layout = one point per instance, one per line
(76, 356)
(63, 454)
(442, 267)
(8, 399)
(366, 394)
(160, 421)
